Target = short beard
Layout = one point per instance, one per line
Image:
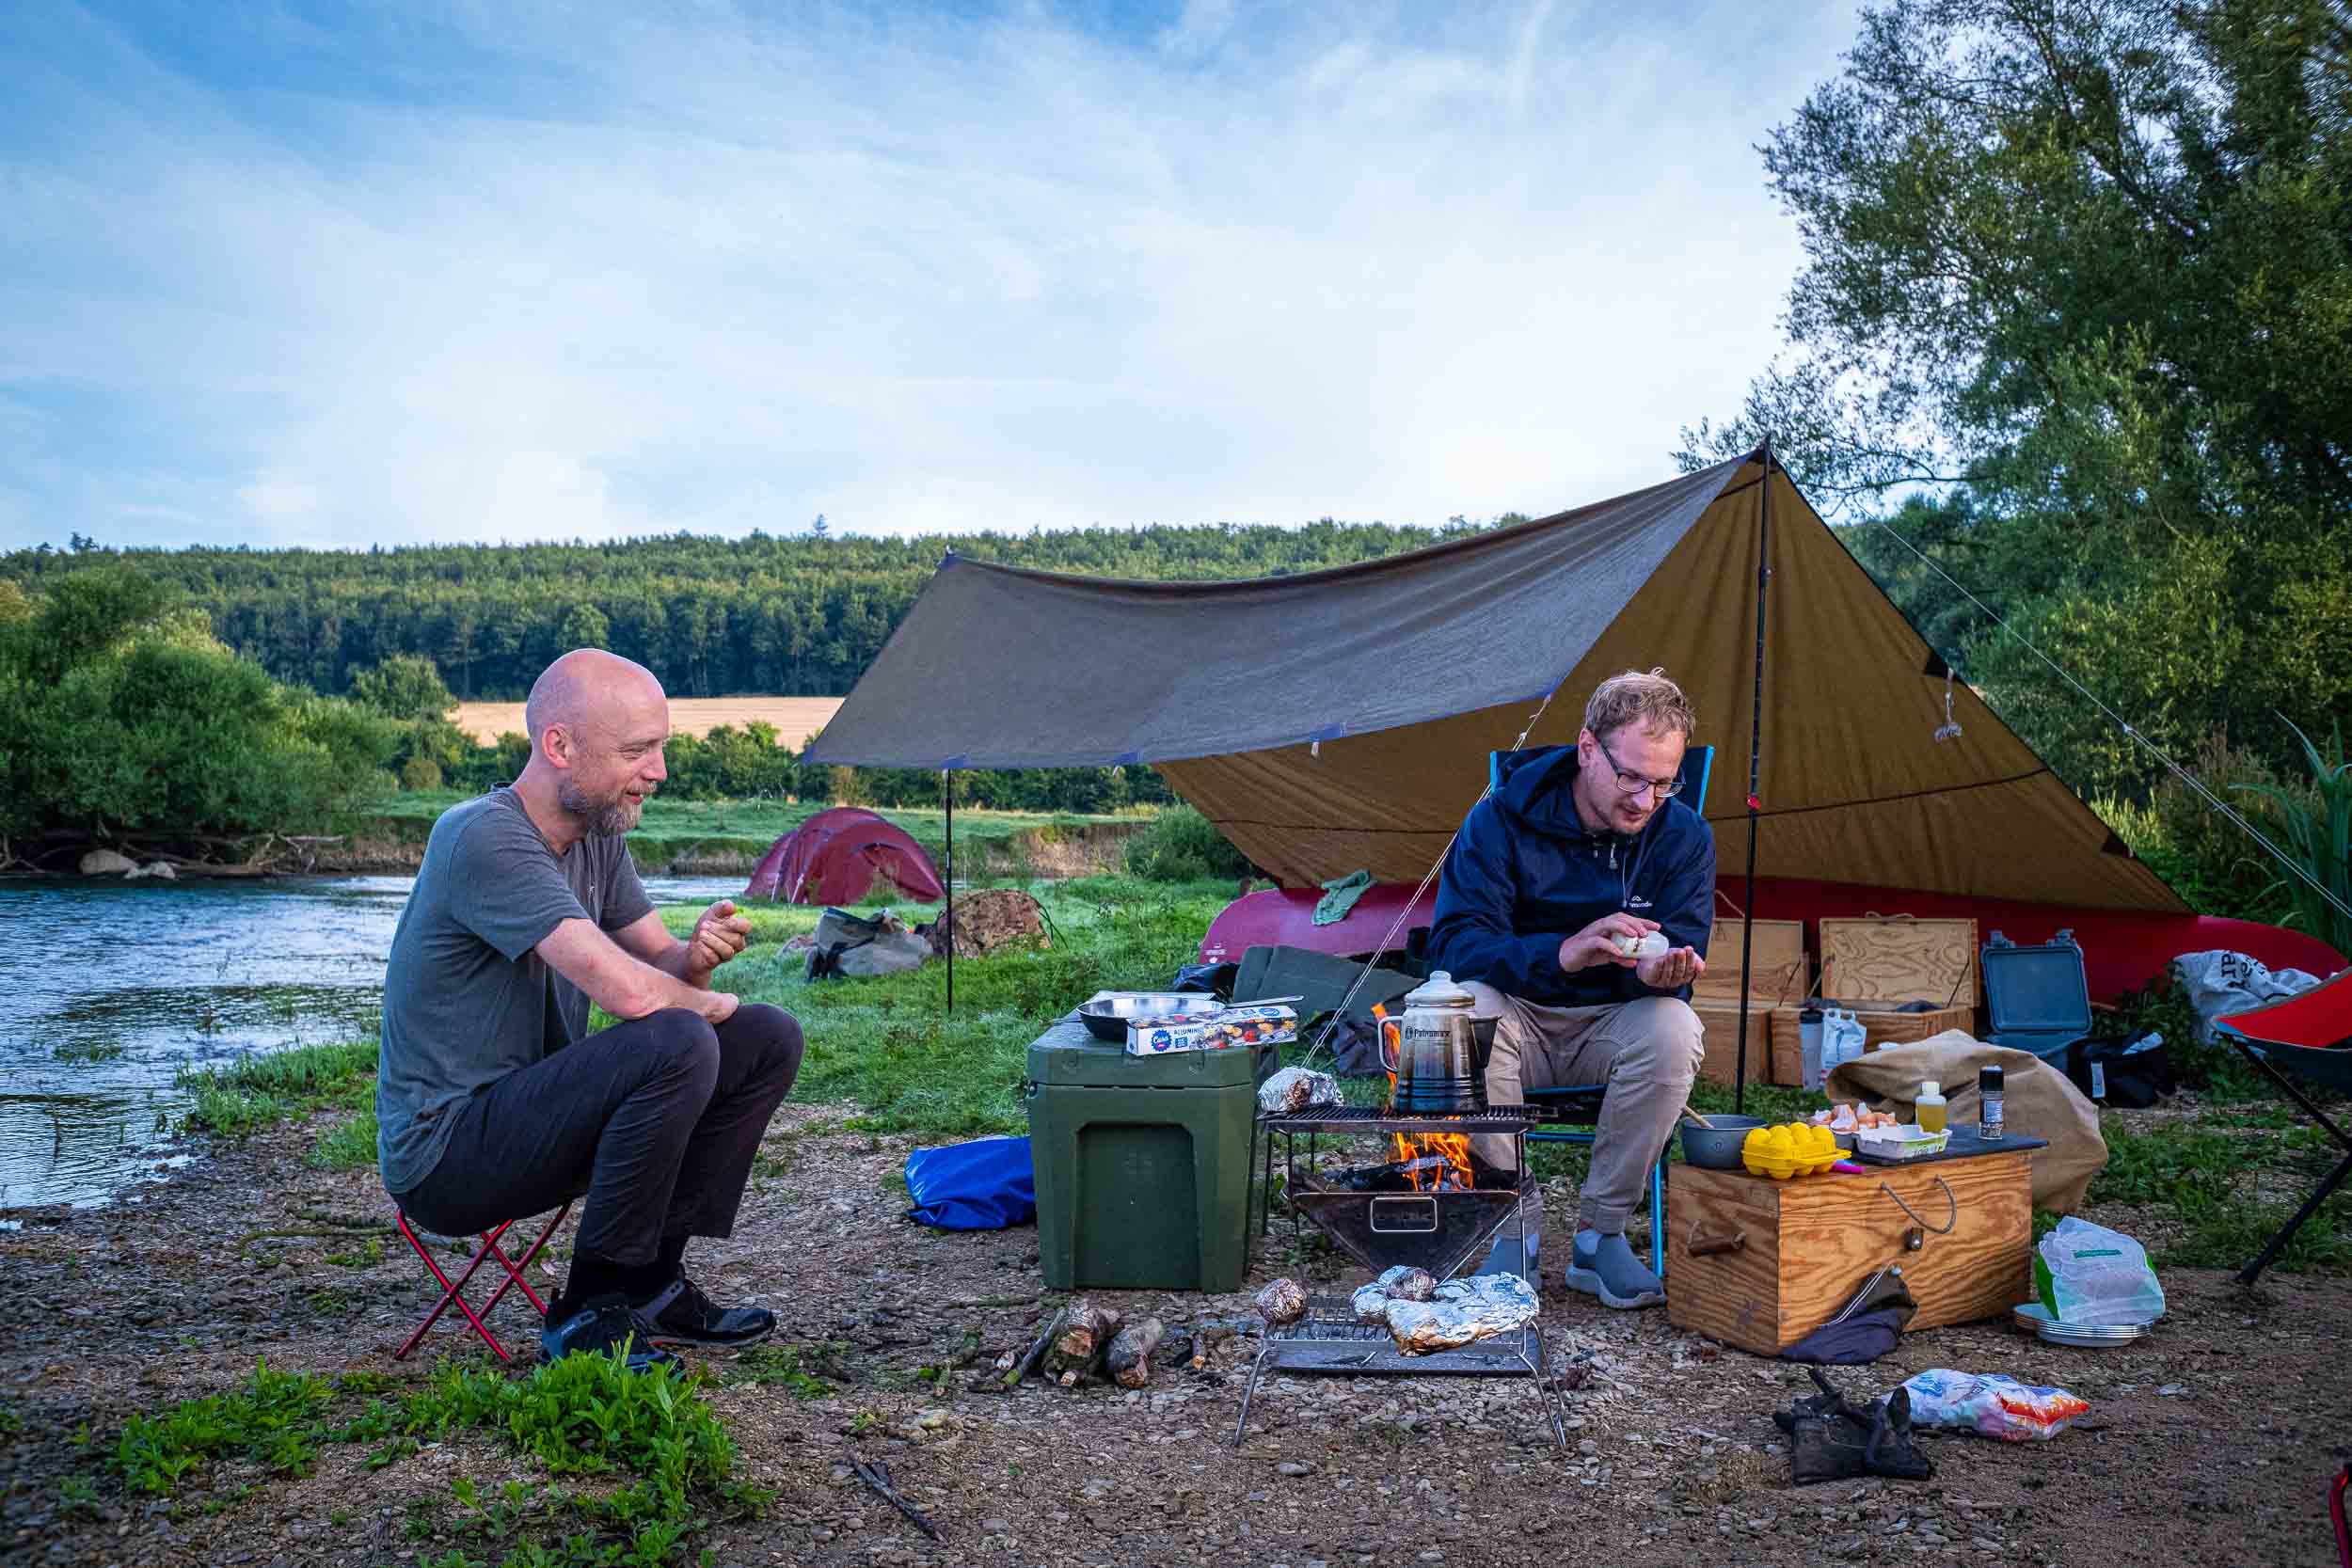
(608, 820)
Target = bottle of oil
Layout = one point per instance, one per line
(1929, 1108)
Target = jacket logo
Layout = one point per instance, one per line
(1635, 901)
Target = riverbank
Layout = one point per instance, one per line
(711, 838)
(2208, 1444)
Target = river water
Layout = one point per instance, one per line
(109, 991)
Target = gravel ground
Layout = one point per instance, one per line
(2212, 1443)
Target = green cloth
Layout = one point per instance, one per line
(1340, 896)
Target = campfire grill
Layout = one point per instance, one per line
(1437, 1229)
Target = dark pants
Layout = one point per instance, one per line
(656, 1120)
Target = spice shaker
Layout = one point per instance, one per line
(1989, 1103)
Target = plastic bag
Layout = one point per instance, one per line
(2221, 983)
(1992, 1405)
(2087, 1273)
(1842, 1037)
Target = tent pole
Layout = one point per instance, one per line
(1756, 757)
(947, 909)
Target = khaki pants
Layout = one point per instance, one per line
(1647, 1052)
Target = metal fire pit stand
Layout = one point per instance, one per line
(1330, 1338)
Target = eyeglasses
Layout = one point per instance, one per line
(1634, 783)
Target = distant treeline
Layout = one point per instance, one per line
(800, 616)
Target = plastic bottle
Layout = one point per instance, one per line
(1809, 1049)
(1989, 1103)
(1929, 1108)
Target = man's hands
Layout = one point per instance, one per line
(1671, 970)
(719, 935)
(1591, 945)
(1594, 945)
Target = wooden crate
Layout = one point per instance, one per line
(1808, 1244)
(1782, 975)
(1721, 1020)
(1898, 959)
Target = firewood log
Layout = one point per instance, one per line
(1130, 1357)
(1085, 1337)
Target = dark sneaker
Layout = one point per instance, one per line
(599, 1326)
(1611, 1272)
(680, 1314)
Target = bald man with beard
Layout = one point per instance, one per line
(493, 1100)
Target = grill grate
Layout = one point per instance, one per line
(1504, 1119)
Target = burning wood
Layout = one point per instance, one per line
(1434, 1162)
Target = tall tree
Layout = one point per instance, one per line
(2087, 265)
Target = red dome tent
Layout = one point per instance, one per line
(836, 857)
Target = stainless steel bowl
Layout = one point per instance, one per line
(1106, 1012)
(1717, 1148)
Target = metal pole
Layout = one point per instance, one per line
(947, 908)
(1756, 758)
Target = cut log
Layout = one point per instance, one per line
(1077, 1352)
(1130, 1357)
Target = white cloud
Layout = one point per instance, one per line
(907, 274)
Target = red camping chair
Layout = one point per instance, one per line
(2311, 1036)
(453, 1291)
(2335, 1514)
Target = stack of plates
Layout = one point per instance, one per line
(2035, 1318)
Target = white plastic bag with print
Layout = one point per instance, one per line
(2087, 1273)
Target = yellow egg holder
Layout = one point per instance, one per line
(1792, 1148)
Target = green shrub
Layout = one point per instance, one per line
(1182, 846)
(2313, 827)
(2208, 859)
(420, 772)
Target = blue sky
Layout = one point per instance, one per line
(307, 274)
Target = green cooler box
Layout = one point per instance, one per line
(1142, 1164)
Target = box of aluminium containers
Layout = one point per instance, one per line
(1249, 1023)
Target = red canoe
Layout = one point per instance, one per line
(2121, 949)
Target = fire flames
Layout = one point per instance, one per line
(1453, 1148)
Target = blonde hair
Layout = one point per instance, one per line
(1651, 701)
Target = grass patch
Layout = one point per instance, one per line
(349, 1145)
(657, 1457)
(261, 1090)
(810, 1371)
(2200, 1174)
(888, 1043)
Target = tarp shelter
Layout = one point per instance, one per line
(1342, 719)
(836, 857)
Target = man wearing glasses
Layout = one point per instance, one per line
(1577, 854)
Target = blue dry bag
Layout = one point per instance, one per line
(986, 1184)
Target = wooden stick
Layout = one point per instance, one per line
(1036, 1352)
(877, 1476)
(1700, 1120)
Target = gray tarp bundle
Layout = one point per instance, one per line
(1342, 719)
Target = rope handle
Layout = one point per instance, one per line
(1944, 1230)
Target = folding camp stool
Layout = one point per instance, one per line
(454, 1290)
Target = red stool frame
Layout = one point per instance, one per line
(454, 1292)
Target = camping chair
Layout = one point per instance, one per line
(453, 1291)
(2311, 1035)
(1571, 1115)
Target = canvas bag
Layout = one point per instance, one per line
(2039, 1103)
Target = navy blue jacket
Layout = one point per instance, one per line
(1524, 875)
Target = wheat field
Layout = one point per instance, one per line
(795, 717)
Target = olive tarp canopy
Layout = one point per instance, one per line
(1340, 719)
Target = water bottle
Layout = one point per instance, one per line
(1809, 1049)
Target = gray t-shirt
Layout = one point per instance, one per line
(465, 999)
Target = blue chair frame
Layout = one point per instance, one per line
(1579, 1105)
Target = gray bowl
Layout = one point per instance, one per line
(1717, 1149)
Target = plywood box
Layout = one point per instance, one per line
(1721, 1021)
(1760, 1264)
(1777, 951)
(1895, 958)
(1782, 975)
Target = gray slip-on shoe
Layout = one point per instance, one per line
(1611, 1272)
